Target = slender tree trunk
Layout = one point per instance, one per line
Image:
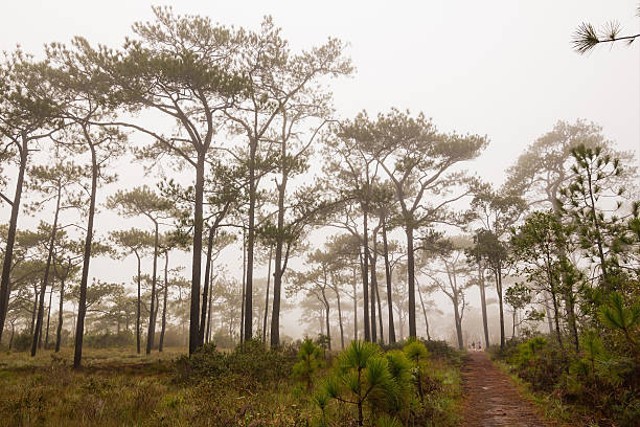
(326, 319)
(151, 330)
(196, 267)
(372, 297)
(248, 302)
(379, 305)
(82, 303)
(547, 309)
(355, 305)
(411, 282)
(483, 305)
(210, 304)
(458, 320)
(280, 241)
(554, 300)
(424, 313)
(34, 312)
(46, 336)
(138, 304)
(387, 269)
(365, 276)
(340, 323)
(37, 336)
(165, 295)
(266, 299)
(5, 284)
(60, 316)
(244, 284)
(205, 292)
(498, 274)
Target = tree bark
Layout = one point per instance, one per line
(5, 284)
(365, 275)
(387, 269)
(248, 302)
(266, 299)
(205, 292)
(424, 313)
(82, 303)
(411, 279)
(483, 305)
(196, 267)
(163, 326)
(151, 331)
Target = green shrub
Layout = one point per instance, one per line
(310, 359)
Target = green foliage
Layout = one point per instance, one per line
(310, 359)
(250, 363)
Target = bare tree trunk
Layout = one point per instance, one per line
(82, 303)
(196, 266)
(355, 305)
(165, 295)
(266, 300)
(34, 312)
(379, 305)
(151, 331)
(244, 285)
(205, 292)
(46, 336)
(424, 313)
(483, 305)
(364, 259)
(458, 321)
(60, 316)
(5, 284)
(387, 268)
(248, 294)
(139, 304)
(411, 278)
(340, 321)
(498, 274)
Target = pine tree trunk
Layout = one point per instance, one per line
(5, 284)
(82, 303)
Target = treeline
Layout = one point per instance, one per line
(241, 143)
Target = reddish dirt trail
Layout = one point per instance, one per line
(491, 399)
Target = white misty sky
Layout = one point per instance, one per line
(500, 68)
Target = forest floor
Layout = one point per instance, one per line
(491, 398)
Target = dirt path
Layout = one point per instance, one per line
(491, 398)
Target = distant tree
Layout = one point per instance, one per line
(420, 163)
(494, 211)
(286, 99)
(137, 242)
(447, 267)
(142, 201)
(60, 184)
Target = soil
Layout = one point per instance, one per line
(492, 399)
